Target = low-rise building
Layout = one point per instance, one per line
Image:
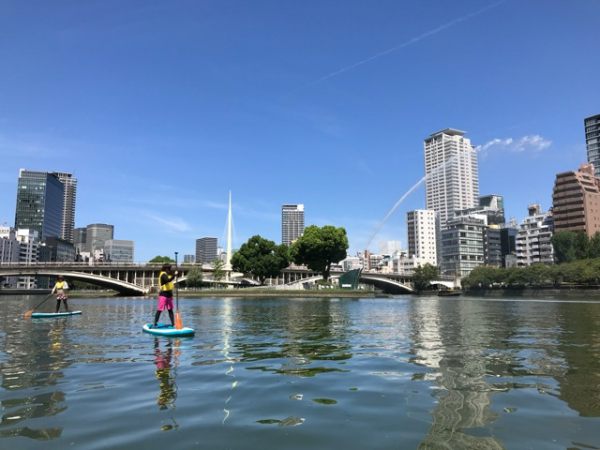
(29, 244)
(56, 249)
(119, 250)
(534, 238)
(9, 253)
(462, 246)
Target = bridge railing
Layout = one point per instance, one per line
(80, 264)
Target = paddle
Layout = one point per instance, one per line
(28, 313)
(178, 322)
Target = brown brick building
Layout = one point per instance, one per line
(576, 201)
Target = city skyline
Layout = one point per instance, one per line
(202, 89)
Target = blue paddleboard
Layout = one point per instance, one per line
(40, 315)
(163, 329)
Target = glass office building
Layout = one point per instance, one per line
(592, 141)
(40, 202)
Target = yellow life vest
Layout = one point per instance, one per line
(167, 286)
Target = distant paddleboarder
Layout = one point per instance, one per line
(60, 288)
(165, 295)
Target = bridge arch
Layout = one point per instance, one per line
(387, 285)
(448, 284)
(122, 287)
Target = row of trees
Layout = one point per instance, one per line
(583, 272)
(574, 245)
(318, 248)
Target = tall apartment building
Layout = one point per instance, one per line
(40, 203)
(292, 223)
(68, 215)
(576, 201)
(421, 228)
(534, 238)
(96, 235)
(592, 141)
(206, 250)
(452, 179)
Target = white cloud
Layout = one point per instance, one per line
(408, 43)
(171, 224)
(20, 147)
(533, 143)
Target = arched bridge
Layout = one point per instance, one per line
(125, 278)
(141, 279)
(390, 283)
(103, 280)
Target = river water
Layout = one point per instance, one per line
(393, 373)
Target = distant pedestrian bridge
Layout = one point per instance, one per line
(387, 282)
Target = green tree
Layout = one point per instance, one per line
(484, 277)
(423, 275)
(194, 277)
(218, 270)
(582, 245)
(594, 246)
(261, 258)
(516, 277)
(570, 245)
(319, 247)
(538, 274)
(161, 260)
(564, 248)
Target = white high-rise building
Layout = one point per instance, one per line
(452, 176)
(68, 213)
(422, 233)
(292, 223)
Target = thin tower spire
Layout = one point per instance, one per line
(229, 233)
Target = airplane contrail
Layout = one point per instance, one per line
(407, 43)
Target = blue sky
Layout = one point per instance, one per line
(160, 108)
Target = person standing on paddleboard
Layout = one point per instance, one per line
(165, 295)
(59, 289)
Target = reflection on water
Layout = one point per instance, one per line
(580, 344)
(458, 355)
(421, 372)
(166, 362)
(34, 358)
